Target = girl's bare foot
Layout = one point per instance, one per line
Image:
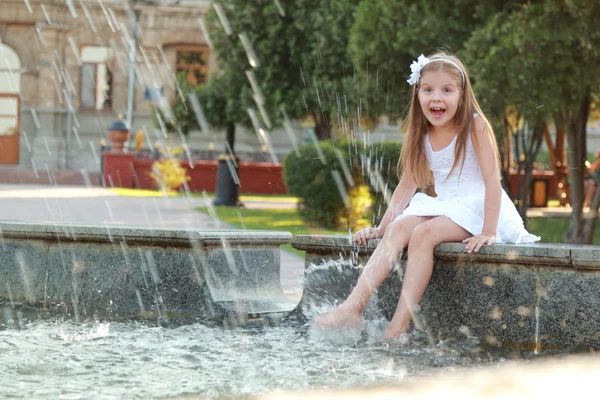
(401, 339)
(342, 316)
(395, 333)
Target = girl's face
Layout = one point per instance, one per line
(439, 96)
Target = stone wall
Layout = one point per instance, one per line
(540, 296)
(169, 276)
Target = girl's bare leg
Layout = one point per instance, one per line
(419, 267)
(379, 266)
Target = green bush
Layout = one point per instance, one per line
(321, 201)
(308, 175)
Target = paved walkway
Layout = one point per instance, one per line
(100, 206)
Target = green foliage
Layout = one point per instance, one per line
(389, 34)
(218, 101)
(542, 61)
(501, 57)
(309, 175)
(216, 97)
(303, 63)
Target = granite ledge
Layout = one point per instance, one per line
(156, 236)
(549, 255)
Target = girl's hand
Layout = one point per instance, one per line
(474, 243)
(366, 234)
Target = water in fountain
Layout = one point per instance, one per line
(63, 358)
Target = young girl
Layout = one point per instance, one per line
(449, 143)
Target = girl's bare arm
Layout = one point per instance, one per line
(486, 155)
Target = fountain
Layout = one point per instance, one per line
(206, 309)
(108, 311)
(118, 273)
(534, 297)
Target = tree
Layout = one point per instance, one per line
(180, 117)
(295, 57)
(498, 56)
(389, 34)
(524, 55)
(543, 60)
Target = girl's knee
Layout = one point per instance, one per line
(397, 232)
(423, 235)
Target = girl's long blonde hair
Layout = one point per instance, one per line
(413, 156)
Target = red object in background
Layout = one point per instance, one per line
(124, 170)
(551, 186)
(261, 178)
(118, 169)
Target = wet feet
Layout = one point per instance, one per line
(402, 339)
(395, 335)
(342, 316)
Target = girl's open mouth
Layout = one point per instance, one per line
(437, 111)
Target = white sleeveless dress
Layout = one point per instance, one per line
(461, 196)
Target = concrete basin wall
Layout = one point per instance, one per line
(117, 272)
(522, 296)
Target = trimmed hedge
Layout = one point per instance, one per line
(334, 183)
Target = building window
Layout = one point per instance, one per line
(96, 78)
(192, 62)
(10, 87)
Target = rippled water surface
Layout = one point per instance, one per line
(65, 359)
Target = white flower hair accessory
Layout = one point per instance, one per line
(422, 61)
(416, 68)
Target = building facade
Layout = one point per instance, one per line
(65, 68)
(65, 76)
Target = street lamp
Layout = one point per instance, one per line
(134, 16)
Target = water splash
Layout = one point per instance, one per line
(259, 97)
(72, 9)
(279, 8)
(315, 141)
(250, 53)
(538, 346)
(287, 124)
(108, 17)
(205, 33)
(88, 17)
(223, 18)
(197, 360)
(345, 168)
(28, 5)
(199, 112)
(46, 14)
(262, 134)
(40, 36)
(339, 183)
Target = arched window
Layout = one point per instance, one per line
(10, 89)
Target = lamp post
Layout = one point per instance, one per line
(228, 183)
(69, 128)
(134, 15)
